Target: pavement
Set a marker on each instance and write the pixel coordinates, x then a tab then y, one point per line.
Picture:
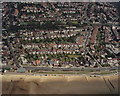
45	74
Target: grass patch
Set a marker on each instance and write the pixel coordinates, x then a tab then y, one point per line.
72	56
64	72
74	22
103	73
29	23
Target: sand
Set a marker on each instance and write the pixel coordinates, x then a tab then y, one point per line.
22	84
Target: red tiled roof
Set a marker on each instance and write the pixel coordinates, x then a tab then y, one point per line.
55	9
114	13
106	35
37	61
16	12
54	50
92	7
116	33
4	12
59	50
92	47
93	37
81	40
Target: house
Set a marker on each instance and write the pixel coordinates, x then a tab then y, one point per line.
112	61
51	62
16	12
24	60
37	62
93	37
56	62
3	14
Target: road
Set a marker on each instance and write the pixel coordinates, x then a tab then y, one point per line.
85	48
11	50
72	69
8	39
86	7
69	69
88	35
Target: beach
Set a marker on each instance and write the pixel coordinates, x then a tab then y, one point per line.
25	84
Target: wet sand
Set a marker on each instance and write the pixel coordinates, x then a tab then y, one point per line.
21	84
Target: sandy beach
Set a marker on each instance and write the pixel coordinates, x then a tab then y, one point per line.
22	84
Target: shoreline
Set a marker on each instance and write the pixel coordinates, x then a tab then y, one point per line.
22	84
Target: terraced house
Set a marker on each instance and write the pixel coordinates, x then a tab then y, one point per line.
57	34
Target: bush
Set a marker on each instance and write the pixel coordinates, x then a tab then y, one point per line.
105	65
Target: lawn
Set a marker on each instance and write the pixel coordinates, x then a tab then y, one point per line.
63	72
74	22
73	56
103	73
